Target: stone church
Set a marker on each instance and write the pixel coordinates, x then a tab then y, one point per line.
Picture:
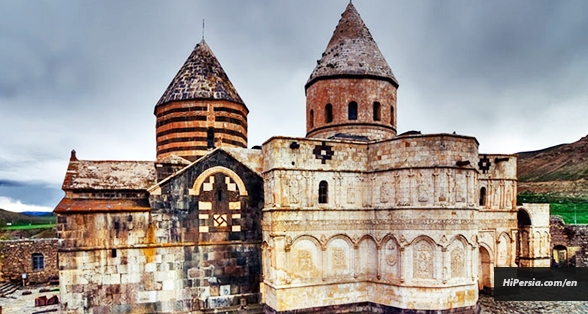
351	218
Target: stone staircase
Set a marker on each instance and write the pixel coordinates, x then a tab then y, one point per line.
8	288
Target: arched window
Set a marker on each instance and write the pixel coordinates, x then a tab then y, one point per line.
328	113
392	115
38	261
377	116
210	137
352	111
483	196
311	118
323	192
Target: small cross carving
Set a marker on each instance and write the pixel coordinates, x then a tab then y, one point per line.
323	152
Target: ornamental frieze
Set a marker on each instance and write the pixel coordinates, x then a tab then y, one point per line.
398	224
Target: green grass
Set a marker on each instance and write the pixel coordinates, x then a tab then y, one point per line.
549	198
571	212
27	227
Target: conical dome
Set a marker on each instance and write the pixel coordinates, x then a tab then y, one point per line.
201	77
200	110
352	51
352	92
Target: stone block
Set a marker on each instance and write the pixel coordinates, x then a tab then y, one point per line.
214	291
225	290
150	267
195	273
218	302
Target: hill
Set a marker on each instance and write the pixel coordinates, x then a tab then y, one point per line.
557	173
23	219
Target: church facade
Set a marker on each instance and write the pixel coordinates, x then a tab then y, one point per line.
351	218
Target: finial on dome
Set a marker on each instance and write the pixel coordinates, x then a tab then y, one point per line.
202	29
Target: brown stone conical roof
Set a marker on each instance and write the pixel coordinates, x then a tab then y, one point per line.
201	77
352	51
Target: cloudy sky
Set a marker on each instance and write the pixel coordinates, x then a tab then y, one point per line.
86	75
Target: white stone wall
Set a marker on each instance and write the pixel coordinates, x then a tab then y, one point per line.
400	218
535	240
134	276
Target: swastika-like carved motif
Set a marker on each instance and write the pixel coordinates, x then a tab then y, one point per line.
457	265
484	164
339	258
323	152
220	220
219	197
423	261
304	260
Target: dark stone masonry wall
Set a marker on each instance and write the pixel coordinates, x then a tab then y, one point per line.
17	258
573	237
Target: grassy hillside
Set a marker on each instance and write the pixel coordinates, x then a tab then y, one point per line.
573	210
8	218
557	175
21	226
565	162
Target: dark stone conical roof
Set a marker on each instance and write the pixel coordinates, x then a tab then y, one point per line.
201	77
352	51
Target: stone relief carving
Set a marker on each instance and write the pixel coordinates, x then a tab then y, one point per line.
269	195
385	189
396	185
423	189
423	260
391	253
351	195
468	189
459	189
436	196
304	259
443	239
403	240
323	239
338	258
294	192
410	178
508	197
288	244
449	175
457	263
404	193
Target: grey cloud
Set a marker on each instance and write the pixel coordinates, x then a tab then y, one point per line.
9	183
86	75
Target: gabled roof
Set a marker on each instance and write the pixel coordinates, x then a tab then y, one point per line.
109	175
352	51
201	77
250	158
69	205
174	159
